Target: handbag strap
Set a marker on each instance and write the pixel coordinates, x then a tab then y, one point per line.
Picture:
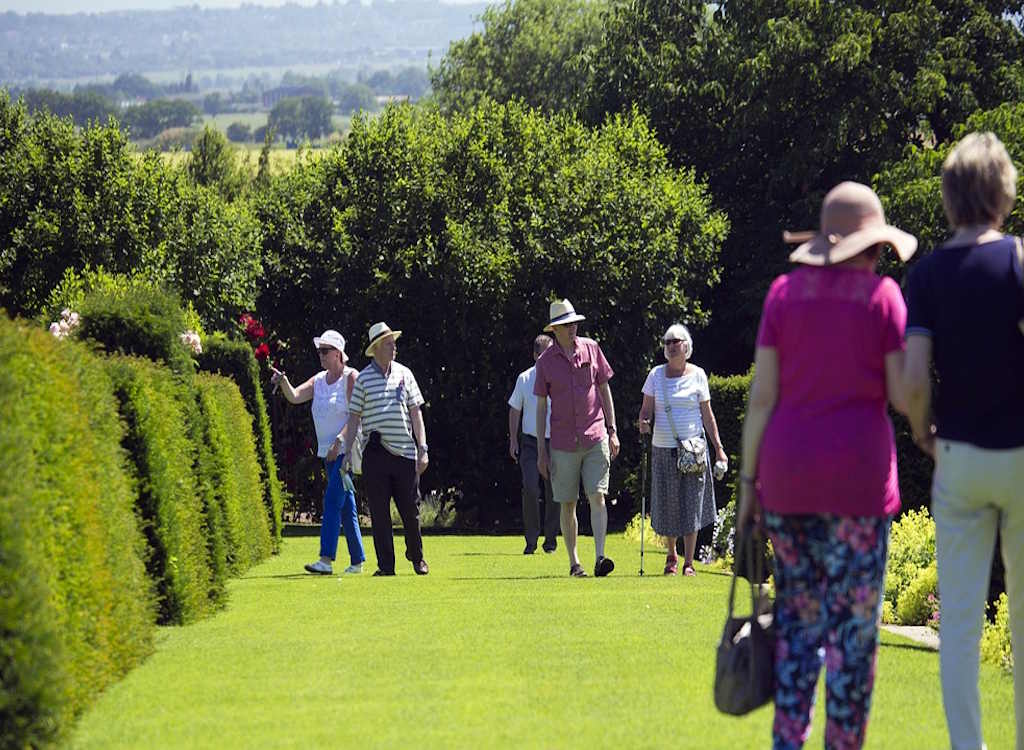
752	575
668	406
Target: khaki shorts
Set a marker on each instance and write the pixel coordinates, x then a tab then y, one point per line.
589	464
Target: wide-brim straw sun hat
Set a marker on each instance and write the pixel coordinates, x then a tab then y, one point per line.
561	313
330	337
852	220
379	332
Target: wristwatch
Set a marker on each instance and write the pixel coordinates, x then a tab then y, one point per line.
422	448
611	429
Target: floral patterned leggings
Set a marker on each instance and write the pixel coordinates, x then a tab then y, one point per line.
829	583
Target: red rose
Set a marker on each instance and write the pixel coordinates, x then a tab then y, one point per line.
262	352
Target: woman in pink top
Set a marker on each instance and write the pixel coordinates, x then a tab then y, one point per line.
818	468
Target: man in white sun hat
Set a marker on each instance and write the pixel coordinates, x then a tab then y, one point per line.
386	400
574	375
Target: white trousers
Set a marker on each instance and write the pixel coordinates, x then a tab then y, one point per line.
974	492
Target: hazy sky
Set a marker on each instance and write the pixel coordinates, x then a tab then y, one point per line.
100	6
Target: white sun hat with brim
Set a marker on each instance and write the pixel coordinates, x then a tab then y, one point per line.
379	332
852	220
330	337
562	313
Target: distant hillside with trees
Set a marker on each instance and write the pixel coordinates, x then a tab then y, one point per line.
42	47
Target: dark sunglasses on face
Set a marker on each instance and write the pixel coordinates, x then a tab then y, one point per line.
325	349
669	342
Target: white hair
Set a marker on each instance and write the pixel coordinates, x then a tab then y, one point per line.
681	332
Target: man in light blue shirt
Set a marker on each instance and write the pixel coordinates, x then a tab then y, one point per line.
523	450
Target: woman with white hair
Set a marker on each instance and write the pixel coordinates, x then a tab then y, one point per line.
966	314
677	396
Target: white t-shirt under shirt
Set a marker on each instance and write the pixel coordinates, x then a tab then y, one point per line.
522	399
685	393
330	409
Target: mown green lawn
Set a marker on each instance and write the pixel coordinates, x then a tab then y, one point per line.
491	650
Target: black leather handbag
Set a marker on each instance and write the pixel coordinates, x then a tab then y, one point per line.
745	663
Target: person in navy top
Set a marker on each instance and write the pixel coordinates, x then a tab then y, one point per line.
965	313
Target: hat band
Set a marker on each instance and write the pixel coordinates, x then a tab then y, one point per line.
380	335
554	321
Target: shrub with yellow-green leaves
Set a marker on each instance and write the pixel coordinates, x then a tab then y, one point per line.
234	468
76	606
155	404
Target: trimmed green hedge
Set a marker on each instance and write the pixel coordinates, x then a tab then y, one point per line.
235	473
144	321
235	360
76	607
154	406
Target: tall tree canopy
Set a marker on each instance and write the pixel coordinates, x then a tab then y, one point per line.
773	102
533	50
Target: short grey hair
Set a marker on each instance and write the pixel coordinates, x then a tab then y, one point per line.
979	181
681	332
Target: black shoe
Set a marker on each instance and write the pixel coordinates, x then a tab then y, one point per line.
379	572
577	571
549	549
604	567
421	567
530	549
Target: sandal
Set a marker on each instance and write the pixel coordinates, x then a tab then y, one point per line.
577	571
671	565
689	571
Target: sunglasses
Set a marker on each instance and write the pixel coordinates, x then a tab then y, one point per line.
326	349
669	342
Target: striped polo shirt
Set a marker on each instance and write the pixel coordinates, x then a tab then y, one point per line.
383	404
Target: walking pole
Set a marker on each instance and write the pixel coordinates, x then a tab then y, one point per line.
643	497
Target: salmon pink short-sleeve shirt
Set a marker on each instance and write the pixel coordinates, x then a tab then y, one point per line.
828	446
571	386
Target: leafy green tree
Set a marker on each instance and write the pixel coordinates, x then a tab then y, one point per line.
411	81
286	118
299	118
81	106
135	86
534	50
912	186
239	132
79	200
149	119
213	163
213	103
353	97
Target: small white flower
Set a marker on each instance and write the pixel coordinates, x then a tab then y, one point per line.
65	328
65	313
192	341
55	330
73	319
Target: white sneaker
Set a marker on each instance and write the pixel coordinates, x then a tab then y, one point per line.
320	568
357	568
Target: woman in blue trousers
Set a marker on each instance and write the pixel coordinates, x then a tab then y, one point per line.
330	391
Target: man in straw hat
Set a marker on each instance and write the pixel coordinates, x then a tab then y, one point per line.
574	375
386	400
